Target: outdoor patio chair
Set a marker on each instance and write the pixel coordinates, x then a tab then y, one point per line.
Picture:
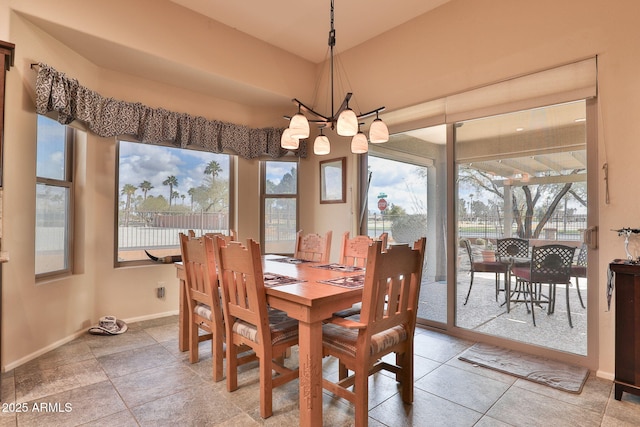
579	269
512	251
551	265
495	267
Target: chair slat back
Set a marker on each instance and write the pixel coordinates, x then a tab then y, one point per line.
198	258
354	251
384	238
551	263
512	247
313	247
392	286
243	291
231	237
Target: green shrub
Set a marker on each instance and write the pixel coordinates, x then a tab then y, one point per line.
409	228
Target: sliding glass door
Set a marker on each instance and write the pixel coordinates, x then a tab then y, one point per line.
522	175
406	177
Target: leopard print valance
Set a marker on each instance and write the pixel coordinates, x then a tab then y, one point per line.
108	117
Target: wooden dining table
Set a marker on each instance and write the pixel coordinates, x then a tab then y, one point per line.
310	302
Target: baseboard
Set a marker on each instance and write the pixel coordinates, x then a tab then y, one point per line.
152	316
605	375
10	366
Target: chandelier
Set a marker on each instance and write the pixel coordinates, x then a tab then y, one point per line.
343	120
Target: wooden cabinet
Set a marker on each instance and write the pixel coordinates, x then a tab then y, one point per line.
627	300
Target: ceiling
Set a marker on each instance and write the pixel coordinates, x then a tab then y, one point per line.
298	27
302	27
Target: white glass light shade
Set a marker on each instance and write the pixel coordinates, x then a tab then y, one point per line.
287	142
359	144
299	126
321	145
378	132
347	123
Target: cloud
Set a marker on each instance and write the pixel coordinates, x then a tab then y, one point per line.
153	163
403	184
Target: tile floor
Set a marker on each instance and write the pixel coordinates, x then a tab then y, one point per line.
141	379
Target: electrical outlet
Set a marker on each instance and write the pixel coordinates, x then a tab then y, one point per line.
160	290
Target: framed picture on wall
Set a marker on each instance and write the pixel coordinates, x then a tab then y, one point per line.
333	180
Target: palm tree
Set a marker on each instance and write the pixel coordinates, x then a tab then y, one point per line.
128	190
191	192
145	186
171	181
213	169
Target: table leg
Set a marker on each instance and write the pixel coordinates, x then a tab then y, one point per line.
310	347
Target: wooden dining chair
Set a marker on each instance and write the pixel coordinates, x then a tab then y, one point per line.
353	251
551	265
248	320
231	237
496	267
386	325
203	299
384	238
313	247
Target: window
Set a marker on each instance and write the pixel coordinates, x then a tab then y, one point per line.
54	198
163	191
280	206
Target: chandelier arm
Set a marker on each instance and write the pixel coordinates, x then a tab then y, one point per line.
311	110
370	113
323	122
343	106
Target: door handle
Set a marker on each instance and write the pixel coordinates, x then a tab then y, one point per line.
590	237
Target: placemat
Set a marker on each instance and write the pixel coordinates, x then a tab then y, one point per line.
272	279
289	260
346	282
339	267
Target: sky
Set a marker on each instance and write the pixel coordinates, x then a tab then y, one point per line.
401	182
153	163
50	157
138	162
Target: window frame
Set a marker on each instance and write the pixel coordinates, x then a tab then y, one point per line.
264	196
66	183
138	262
